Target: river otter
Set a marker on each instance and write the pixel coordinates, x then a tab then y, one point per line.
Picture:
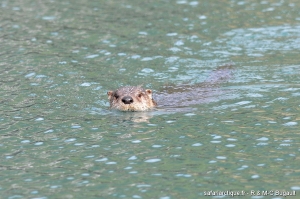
136	98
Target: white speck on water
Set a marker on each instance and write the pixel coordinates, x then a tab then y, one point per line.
179	43
79	144
217	137
91	56
152	160
216	142
181	2
263	139
55	186
184	175
40	76
262	144
143	33
49	131
194	3
285	145
135	56
136	141
75	126
136	196
70	140
197	144
147	59
111	163
255	176
171	59
243	102
29	75
202	17
132	158
290	124
190	114
172	34
101	160
147	70
48	18
268	9
156	146
174	49
86	84
170	121
16	8
230	145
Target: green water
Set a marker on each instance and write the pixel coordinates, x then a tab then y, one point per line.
59	139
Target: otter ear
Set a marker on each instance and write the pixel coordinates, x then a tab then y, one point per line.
148	91
110	93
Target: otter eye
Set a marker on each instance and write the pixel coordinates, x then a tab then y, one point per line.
116	96
140	95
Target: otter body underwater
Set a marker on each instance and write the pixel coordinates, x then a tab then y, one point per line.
136	98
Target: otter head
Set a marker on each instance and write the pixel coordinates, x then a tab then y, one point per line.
131	98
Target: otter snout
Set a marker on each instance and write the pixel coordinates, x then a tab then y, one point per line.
127	100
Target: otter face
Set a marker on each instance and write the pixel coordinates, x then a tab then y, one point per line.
131	98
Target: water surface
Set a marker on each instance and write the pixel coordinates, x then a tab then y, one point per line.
59	139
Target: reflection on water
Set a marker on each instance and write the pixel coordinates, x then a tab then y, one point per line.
257	42
59	139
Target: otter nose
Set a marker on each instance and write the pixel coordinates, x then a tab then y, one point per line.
127	100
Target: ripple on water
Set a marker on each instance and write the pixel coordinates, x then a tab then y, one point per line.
230	145
136	141
255	176
39	119
153	160
132	158
101	160
156	146
183	175
39	143
75	126
263	139
256	41
70	140
110	163
221	157
197	144
290	124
